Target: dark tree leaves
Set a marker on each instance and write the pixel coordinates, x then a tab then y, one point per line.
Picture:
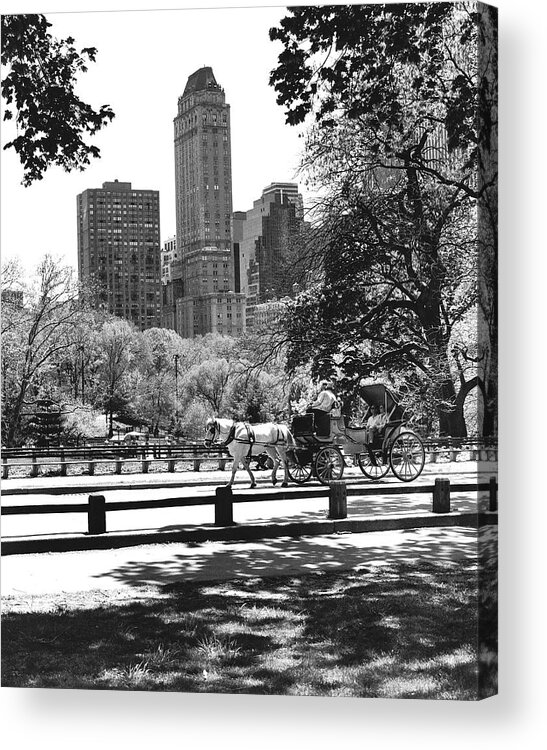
39	93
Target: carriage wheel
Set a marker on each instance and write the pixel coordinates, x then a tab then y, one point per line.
329	465
368	468
407	456
300	473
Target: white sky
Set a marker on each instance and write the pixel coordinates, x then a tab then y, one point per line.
143	62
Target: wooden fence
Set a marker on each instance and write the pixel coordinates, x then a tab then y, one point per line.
167	457
96	506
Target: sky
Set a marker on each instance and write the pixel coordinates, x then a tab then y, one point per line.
143	61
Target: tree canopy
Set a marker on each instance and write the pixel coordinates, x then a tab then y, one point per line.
39	94
402	126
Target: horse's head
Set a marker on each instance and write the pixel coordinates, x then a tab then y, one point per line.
211	431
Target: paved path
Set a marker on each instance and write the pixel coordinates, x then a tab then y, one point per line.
132	569
136	567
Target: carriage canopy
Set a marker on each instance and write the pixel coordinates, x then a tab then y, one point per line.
378	395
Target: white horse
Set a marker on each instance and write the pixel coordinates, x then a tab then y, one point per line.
244	440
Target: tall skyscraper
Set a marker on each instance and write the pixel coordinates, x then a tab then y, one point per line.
265	234
206	300
119	249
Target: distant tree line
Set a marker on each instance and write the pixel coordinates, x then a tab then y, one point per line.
96	370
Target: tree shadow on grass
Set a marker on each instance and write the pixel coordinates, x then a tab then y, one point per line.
408	629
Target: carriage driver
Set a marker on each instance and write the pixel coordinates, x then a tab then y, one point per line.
321	408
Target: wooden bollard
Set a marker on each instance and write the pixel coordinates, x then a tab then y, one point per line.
63	464
338	499
34	469
91	468
119	466
433	457
222	464
441	495
171	465
224	506
145	465
493	503
5	467
96	514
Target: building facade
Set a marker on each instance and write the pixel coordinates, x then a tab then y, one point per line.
266	233
119	250
203	289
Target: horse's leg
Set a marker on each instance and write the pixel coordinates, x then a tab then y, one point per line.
235	466
283	458
272	453
247	465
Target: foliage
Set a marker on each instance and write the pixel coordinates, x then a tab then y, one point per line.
35	334
395	150
88	363
39	92
117	341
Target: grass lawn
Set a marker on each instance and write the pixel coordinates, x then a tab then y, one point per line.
401	632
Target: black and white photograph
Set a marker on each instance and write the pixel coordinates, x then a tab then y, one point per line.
249	376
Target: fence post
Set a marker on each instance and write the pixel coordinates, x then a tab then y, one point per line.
34	469
224	508
222	463
91	468
119	463
145	465
96	514
197	462
63	463
493	504
171	465
338	499
433	455
441	495
5	467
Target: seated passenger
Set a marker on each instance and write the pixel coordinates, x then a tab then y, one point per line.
382	419
373	427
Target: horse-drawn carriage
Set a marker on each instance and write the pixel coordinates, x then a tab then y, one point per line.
395	446
303	453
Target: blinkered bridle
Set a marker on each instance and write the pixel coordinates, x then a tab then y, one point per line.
212	431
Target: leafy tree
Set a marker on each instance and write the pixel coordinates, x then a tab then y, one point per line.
209	382
39	91
396	147
157	401
34	335
116	360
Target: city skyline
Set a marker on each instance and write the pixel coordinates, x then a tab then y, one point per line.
264	149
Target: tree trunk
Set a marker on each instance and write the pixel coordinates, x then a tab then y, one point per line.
451	420
16	413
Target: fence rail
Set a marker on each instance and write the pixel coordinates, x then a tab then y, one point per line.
224	498
113	460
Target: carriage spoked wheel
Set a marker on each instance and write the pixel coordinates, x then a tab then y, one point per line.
300	473
369	469
407	456
329	464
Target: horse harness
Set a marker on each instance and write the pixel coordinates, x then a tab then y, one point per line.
251	437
